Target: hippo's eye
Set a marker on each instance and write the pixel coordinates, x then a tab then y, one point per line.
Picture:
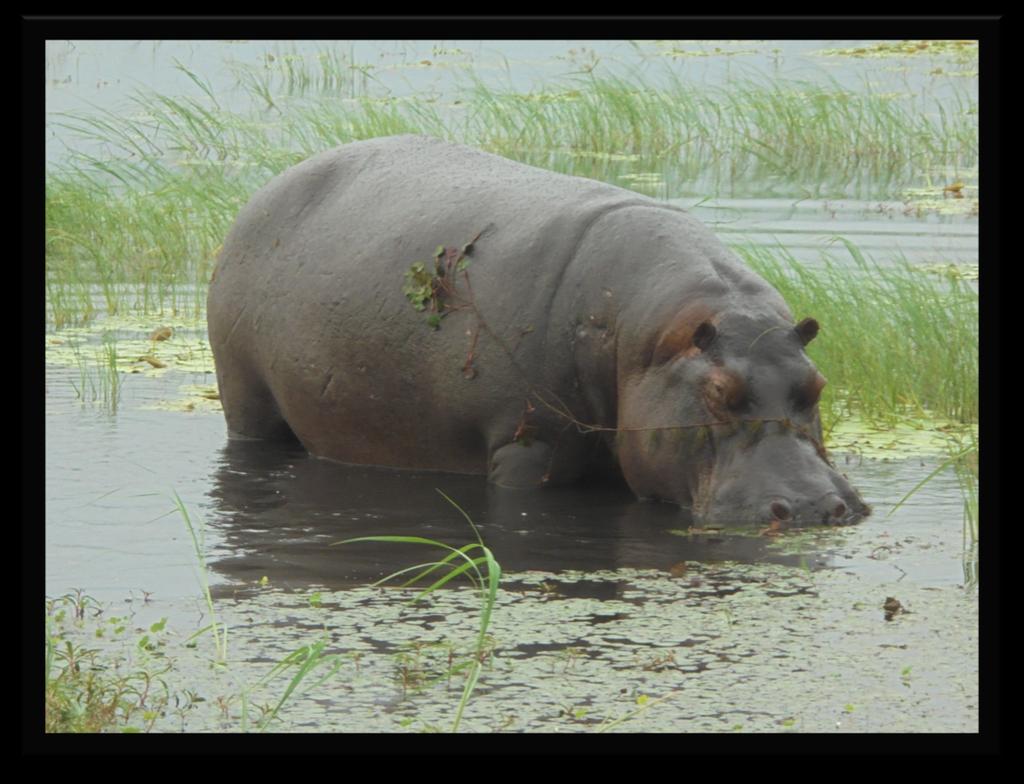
724	391
806	395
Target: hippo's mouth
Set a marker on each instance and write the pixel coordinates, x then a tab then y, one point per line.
850	518
779	516
837	513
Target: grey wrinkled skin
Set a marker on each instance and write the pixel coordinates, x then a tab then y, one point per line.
596	321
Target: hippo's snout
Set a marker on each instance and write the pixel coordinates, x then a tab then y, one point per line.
781	481
830	509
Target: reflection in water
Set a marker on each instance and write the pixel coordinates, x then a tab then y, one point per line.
279	510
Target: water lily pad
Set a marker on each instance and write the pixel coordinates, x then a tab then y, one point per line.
199	398
645	181
177	353
601	156
566	96
894	440
952	198
715	52
961	50
950	270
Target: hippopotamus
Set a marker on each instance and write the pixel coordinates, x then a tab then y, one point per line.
414	303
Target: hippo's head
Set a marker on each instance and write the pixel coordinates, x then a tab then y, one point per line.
719	413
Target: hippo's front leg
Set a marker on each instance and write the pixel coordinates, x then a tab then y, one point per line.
521	465
537	463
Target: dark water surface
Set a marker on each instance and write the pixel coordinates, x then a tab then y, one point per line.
273	511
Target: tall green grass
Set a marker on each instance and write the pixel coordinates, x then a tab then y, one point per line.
142	205
482	569
894	340
289	72
753	128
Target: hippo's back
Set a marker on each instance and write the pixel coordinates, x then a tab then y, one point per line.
393	200
311	330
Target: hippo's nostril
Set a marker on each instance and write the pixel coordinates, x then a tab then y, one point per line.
839	511
780	510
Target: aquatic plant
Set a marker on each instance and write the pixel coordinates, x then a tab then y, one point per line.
894	341
99	378
753	127
86	693
457	562
216	628
141	204
306	659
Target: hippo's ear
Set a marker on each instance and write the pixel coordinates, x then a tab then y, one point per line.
704	335
682	339
806	330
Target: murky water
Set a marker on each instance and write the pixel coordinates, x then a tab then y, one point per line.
272	511
607	605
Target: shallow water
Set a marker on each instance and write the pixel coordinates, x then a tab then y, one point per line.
604	601
273	511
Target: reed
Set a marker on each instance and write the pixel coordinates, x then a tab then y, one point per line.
306	659
895	341
755	127
456	563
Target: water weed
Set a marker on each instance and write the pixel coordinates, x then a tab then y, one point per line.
98	376
896	341
457	562
87	692
141	203
218	630
306	659
755	127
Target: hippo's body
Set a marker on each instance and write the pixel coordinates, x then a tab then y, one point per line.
574	322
